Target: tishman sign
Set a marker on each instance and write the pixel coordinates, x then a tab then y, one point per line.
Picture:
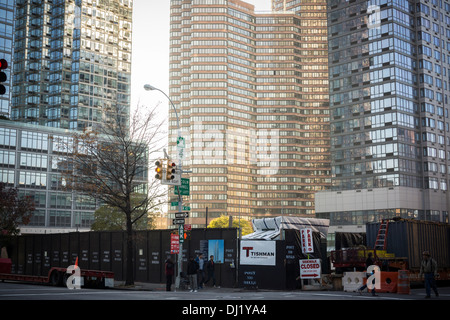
261	253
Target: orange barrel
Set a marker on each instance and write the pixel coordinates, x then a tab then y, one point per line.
403	282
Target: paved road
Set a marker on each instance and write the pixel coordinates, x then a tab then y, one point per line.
20	291
30	300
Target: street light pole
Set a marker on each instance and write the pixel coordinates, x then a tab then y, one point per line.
180	198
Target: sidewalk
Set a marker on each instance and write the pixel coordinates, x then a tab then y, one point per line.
146	286
143	286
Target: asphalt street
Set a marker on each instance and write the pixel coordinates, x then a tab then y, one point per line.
21	291
31	300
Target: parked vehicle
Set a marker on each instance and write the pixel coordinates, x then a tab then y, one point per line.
58	276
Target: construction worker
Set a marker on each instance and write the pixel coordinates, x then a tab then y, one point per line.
428	269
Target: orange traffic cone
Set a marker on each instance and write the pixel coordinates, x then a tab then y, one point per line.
76	263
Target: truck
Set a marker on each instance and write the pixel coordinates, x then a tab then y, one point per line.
58	276
398	244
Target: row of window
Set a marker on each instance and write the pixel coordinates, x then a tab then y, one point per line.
363	217
62	218
381	181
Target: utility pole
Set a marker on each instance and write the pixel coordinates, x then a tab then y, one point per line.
180	147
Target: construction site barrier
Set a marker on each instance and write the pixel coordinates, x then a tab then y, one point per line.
403	285
388	282
352	281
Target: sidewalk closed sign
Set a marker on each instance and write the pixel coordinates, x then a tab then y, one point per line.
310	269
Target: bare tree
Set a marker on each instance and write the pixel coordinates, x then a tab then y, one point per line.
110	163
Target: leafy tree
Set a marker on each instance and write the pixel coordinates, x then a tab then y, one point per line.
14	211
224	222
112	219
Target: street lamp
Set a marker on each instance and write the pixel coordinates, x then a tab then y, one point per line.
151	88
148	87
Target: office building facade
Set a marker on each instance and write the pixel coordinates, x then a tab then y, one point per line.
72	62
6	41
34	159
72	67
30	159
251	90
389	76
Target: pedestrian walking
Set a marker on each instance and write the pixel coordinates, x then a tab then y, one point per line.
169	271
428	270
369	262
201	270
192	269
210	269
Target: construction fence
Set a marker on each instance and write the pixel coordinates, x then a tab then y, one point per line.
35	254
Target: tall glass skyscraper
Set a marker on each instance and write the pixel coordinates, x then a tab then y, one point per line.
72	66
252	93
6	40
389	88
72	61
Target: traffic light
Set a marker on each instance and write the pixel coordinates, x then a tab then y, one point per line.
170	173
158	170
3	77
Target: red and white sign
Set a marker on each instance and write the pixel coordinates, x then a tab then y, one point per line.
307	240
310	269
174	243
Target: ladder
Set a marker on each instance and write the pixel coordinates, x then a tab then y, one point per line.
381	241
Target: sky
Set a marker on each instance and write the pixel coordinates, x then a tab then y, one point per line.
150	51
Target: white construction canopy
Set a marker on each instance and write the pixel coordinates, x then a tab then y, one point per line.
270	228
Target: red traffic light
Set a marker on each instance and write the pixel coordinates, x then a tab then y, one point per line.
170	170
3	64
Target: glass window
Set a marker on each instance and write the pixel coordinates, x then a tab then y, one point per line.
34	140
7	176
59	218
8	137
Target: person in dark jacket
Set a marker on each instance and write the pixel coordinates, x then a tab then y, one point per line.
428	270
201	270
192	273
169	271
210	268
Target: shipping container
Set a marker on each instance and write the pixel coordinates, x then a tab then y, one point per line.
409	238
